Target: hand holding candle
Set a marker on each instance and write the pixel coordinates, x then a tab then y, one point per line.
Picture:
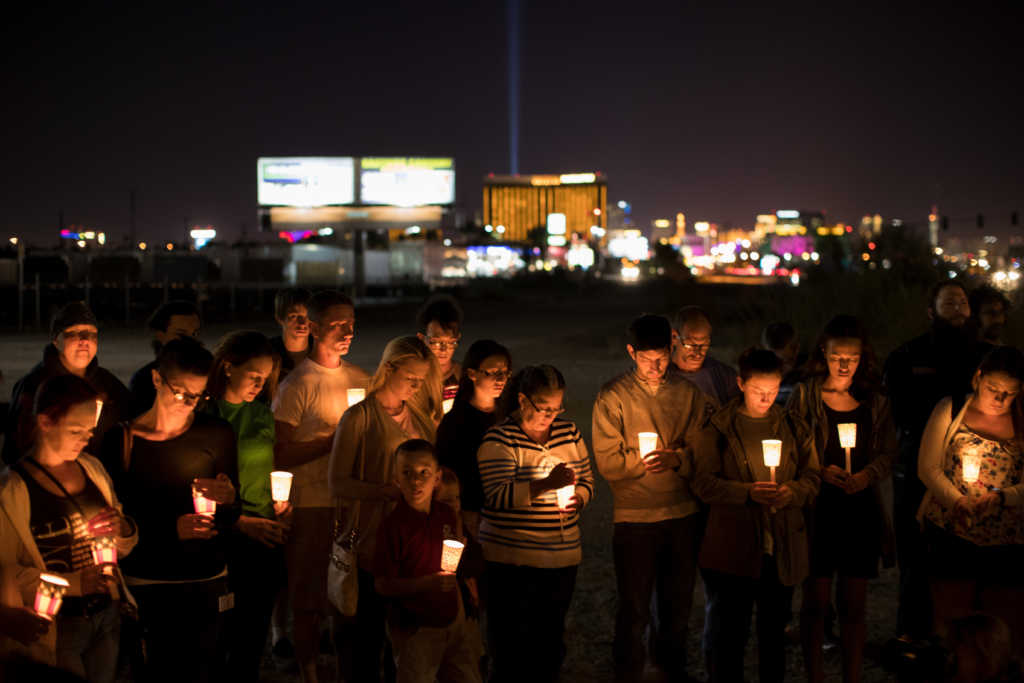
971	468
451	553
50	595
771	450
848	440
280	486
104	553
203	505
647	442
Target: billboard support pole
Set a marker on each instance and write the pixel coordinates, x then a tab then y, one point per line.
359	254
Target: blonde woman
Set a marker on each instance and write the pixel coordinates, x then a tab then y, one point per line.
397	408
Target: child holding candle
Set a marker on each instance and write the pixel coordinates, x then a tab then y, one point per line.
755	544
53	501
642	421
976	529
531	547
430	635
850	528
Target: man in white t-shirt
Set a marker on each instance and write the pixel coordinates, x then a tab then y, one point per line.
307	408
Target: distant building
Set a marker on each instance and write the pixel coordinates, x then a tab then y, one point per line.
519	204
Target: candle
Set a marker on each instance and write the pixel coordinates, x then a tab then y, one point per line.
648	441
203	505
971	468
451	552
280	486
355	396
848	440
50	594
99	409
565	495
447	404
104	550
771	450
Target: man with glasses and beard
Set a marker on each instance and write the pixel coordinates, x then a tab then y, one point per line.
918	374
691	340
74	341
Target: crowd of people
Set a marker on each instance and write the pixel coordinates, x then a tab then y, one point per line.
786	470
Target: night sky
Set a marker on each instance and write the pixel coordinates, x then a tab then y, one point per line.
721	112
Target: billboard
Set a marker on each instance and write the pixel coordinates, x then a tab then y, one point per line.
305	181
406	181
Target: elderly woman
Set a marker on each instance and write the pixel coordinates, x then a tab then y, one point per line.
53	502
972	461
396	408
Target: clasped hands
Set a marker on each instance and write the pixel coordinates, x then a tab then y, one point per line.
851	483
967	509
775	496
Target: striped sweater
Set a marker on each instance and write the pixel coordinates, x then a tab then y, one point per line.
516	529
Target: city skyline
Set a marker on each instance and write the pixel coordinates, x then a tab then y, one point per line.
721	113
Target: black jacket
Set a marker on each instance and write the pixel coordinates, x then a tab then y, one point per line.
18	430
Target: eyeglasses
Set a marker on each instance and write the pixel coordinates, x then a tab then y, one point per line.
496	374
438	345
697	348
546	412
82	335
180	395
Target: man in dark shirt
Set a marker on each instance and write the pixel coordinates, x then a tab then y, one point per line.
918	374
291	311
691	340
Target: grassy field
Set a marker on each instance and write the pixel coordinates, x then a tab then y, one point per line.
581	330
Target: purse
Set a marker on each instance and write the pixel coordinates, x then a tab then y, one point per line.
343	565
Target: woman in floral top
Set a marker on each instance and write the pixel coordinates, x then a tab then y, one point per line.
972	462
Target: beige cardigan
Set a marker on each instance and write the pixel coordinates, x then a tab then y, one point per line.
931	459
20	555
364	444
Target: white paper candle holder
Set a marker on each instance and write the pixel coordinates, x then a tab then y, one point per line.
771	450
971	468
354	396
50	595
280	486
647	442
203	505
451	553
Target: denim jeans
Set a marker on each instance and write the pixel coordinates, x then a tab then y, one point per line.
87	646
658	558
730	603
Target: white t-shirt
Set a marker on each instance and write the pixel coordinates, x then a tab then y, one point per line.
312	399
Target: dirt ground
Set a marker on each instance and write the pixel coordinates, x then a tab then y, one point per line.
582	332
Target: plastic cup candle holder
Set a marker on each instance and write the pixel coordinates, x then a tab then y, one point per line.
565	495
647	442
971	468
104	553
99	409
203	505
50	594
771	449
280	486
848	440
451	553
355	396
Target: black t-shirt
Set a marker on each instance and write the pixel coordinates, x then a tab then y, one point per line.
157	489
458	437
58	525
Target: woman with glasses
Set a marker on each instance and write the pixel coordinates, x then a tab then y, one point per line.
440	323
536	477
361	475
485	371
166	464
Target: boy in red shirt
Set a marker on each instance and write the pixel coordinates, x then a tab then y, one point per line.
430	635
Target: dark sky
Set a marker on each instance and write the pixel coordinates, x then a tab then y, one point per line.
721	112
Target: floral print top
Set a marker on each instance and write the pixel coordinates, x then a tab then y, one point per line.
1002	466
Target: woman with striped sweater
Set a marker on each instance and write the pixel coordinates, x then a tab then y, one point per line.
532	544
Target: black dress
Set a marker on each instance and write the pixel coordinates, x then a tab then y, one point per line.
846	536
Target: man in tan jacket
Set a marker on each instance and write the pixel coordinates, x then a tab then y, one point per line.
656	522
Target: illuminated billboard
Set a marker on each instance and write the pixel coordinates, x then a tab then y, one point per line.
305	181
406	181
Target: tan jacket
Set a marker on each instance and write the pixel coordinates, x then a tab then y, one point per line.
806	403
626	406
734	538
362	461
20	555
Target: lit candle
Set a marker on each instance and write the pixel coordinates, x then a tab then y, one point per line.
355	396
565	495
203	505
50	594
848	440
99	409
771	449
447	404
451	553
648	441
971	468
280	486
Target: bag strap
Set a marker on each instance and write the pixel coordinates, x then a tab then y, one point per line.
56	481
